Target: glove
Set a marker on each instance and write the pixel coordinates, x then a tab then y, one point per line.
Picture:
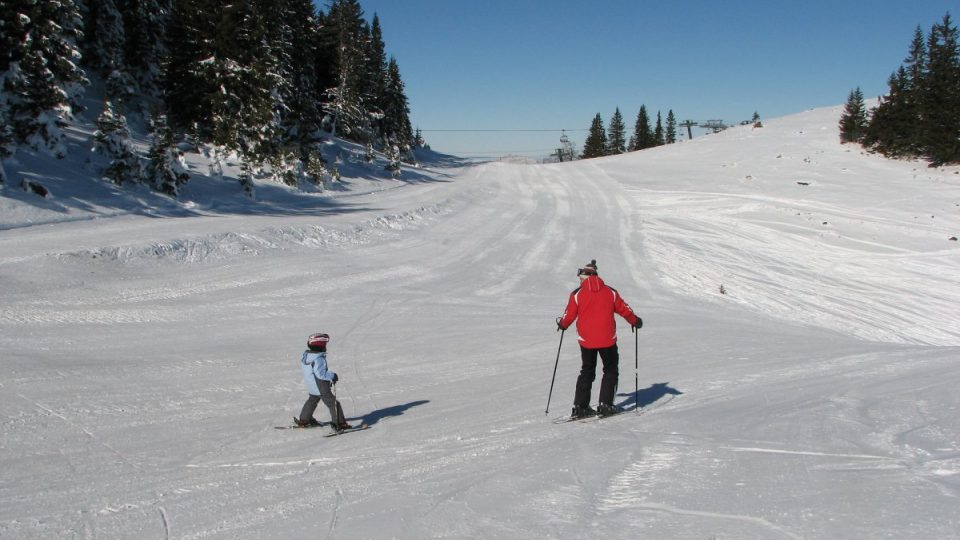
559	326
639	324
335	379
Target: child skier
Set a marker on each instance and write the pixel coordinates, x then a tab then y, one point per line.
320	382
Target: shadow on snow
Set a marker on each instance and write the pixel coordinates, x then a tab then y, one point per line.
647	396
372	418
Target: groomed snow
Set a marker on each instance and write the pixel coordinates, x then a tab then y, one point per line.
149	348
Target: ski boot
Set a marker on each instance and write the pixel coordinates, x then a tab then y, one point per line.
342	426
582	411
309	423
605	409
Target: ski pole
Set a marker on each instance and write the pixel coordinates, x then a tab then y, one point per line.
340	418
636	369
557	363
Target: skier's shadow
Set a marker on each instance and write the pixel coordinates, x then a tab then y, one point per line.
397	410
647	396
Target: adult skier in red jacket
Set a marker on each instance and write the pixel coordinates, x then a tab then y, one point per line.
592	305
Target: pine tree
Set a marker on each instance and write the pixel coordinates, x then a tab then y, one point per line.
658	138
166	169
112	140
920	115
596	143
617	133
940	102
889	128
41	82
375	78
393	160
300	114
104	36
642	133
913	83
396	112
346	31
315	167
671	127
853	121
6	144
146	23
185	84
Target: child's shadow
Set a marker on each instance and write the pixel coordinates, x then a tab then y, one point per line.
397	410
647	396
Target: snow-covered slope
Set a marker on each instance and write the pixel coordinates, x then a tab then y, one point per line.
148	350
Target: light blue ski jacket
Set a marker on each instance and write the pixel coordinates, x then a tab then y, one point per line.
314	366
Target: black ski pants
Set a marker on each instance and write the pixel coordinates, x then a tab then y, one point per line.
588	372
326	395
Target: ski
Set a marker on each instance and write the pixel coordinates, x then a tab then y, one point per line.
565	419
597	417
360	427
295	426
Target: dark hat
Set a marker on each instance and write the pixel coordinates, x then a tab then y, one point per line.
588	270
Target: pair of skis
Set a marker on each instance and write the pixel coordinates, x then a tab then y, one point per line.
351	429
597	417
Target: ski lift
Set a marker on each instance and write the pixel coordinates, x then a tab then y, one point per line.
563	137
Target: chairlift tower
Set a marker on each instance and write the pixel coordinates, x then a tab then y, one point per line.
688	124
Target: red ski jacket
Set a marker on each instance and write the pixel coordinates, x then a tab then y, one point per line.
592	305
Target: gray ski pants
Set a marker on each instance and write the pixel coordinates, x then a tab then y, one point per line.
326	395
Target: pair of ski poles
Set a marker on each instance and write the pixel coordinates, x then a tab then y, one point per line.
636	369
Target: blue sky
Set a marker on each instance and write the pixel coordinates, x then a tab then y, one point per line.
554	64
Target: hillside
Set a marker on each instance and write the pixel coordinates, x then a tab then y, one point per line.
150	347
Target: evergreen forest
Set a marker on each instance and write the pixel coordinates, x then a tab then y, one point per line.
265	80
919	117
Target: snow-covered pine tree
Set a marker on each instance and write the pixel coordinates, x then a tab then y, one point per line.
596	143
258	54
40	81
393	160
246	178
616	134
853	121
103	36
315	167
6	137
396	121
285	168
346	31
146	23
112	140
166	170
296	106
185	83
375	80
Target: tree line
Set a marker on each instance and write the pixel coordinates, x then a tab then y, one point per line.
613	140
264	79
920	115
